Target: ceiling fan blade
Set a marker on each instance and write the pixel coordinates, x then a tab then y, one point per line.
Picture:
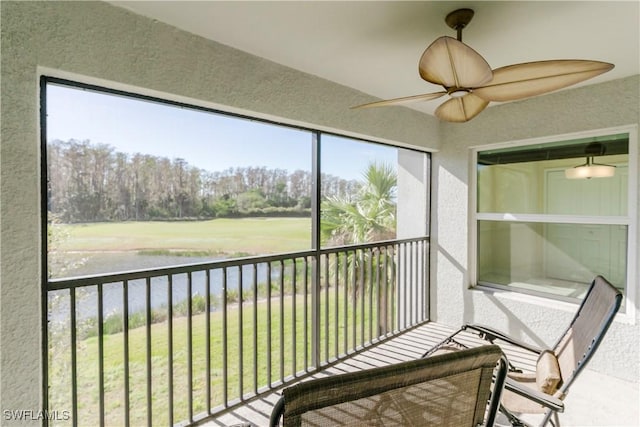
404	100
451	63
463	109
535	78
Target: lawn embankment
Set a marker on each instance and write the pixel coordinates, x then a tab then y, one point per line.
218	236
256	327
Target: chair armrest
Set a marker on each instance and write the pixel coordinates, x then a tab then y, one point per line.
276	413
543	399
490	335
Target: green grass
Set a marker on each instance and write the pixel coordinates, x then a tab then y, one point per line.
220	236
224	235
87	357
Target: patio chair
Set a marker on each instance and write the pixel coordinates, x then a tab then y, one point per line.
452	389
542	392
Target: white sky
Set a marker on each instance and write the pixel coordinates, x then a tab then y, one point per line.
206	140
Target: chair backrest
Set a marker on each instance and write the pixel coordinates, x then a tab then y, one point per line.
445	390
583	336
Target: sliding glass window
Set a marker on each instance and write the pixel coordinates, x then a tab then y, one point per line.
550	217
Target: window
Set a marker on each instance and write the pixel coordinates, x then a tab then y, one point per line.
372	198
134	184
196	233
544	226
140	183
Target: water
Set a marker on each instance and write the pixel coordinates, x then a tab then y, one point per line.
87	298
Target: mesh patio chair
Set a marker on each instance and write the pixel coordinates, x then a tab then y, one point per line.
456	389
542	392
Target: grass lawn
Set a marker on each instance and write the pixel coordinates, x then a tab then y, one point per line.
87	360
224	235
245	336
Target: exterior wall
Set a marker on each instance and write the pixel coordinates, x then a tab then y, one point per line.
535	320
94	42
413	185
97	43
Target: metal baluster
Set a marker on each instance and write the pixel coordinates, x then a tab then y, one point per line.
254	286
170	345
412	288
385	285
362	296
378	296
293	316
281	320
225	337
421	282
269	348
148	349
405	284
306	311
74	357
345	279
190	344
353	295
336	313
326	307
207	295
240	336
370	280
394	282
125	337
101	353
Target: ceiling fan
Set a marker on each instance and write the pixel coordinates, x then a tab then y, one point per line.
471	84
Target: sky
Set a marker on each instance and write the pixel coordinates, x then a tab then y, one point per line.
209	141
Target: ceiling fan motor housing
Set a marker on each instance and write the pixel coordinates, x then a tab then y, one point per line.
458	19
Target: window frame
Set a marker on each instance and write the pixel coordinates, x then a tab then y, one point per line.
630	220
116	89
140	94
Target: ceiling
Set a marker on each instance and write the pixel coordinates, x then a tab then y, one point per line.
374	47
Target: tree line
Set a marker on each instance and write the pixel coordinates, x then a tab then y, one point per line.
90	182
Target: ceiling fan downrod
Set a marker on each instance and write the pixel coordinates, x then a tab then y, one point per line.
458	19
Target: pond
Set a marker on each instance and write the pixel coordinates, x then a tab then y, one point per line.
109	262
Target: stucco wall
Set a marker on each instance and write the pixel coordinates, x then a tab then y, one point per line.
98	43
600	106
101	44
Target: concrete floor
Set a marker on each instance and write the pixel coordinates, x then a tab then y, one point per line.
600	400
593	400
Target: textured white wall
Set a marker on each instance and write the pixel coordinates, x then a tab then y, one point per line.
413	202
98	43
594	107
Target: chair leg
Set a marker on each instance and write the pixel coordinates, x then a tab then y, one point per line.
513	420
552	418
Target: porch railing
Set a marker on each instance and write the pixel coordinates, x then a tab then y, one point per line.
179	345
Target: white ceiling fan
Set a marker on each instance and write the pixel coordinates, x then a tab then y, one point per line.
471	84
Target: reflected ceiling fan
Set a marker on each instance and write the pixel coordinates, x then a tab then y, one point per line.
470	83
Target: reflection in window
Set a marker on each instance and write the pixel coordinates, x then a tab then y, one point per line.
559	258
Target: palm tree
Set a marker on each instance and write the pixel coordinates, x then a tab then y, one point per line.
369	215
